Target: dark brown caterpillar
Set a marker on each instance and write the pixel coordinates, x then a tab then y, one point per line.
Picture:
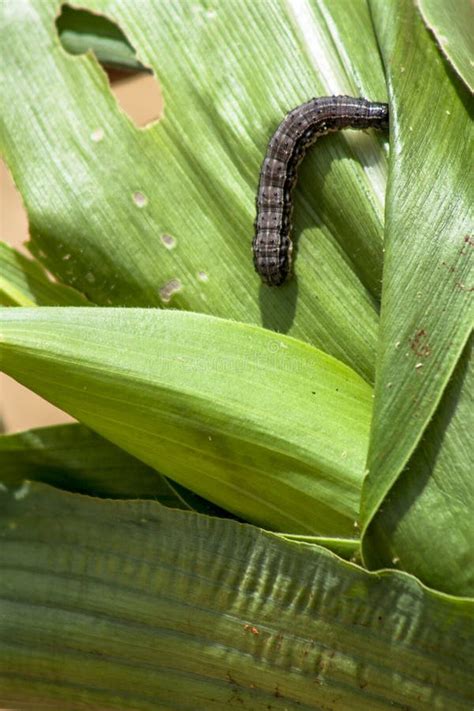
272	244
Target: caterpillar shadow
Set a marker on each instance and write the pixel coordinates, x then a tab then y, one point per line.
278	305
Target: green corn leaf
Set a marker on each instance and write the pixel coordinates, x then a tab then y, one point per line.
425	523
426	313
130	605
24	282
167	387
74	458
451	23
164	216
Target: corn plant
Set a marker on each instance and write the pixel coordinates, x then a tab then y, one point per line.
266	501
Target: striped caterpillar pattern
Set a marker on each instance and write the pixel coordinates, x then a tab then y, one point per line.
272	245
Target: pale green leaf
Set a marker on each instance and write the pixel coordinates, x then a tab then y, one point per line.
24	282
266	426
74	458
107	200
131	605
426	300
452	24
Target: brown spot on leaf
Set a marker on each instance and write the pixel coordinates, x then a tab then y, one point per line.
463	287
170	288
168	241
139	199
449	267
253	630
420	345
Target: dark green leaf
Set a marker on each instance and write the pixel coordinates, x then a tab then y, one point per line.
426	316
131	605
80	31
426	522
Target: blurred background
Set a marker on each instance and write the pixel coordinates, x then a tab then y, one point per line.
140	97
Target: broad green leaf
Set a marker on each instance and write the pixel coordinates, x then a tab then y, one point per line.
80	31
451	22
74	458
165	215
24	282
131	605
266	426
426	522
426	301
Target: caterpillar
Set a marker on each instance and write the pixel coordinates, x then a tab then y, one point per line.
272	245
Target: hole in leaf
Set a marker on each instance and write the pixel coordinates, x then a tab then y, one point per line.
134	85
81	30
